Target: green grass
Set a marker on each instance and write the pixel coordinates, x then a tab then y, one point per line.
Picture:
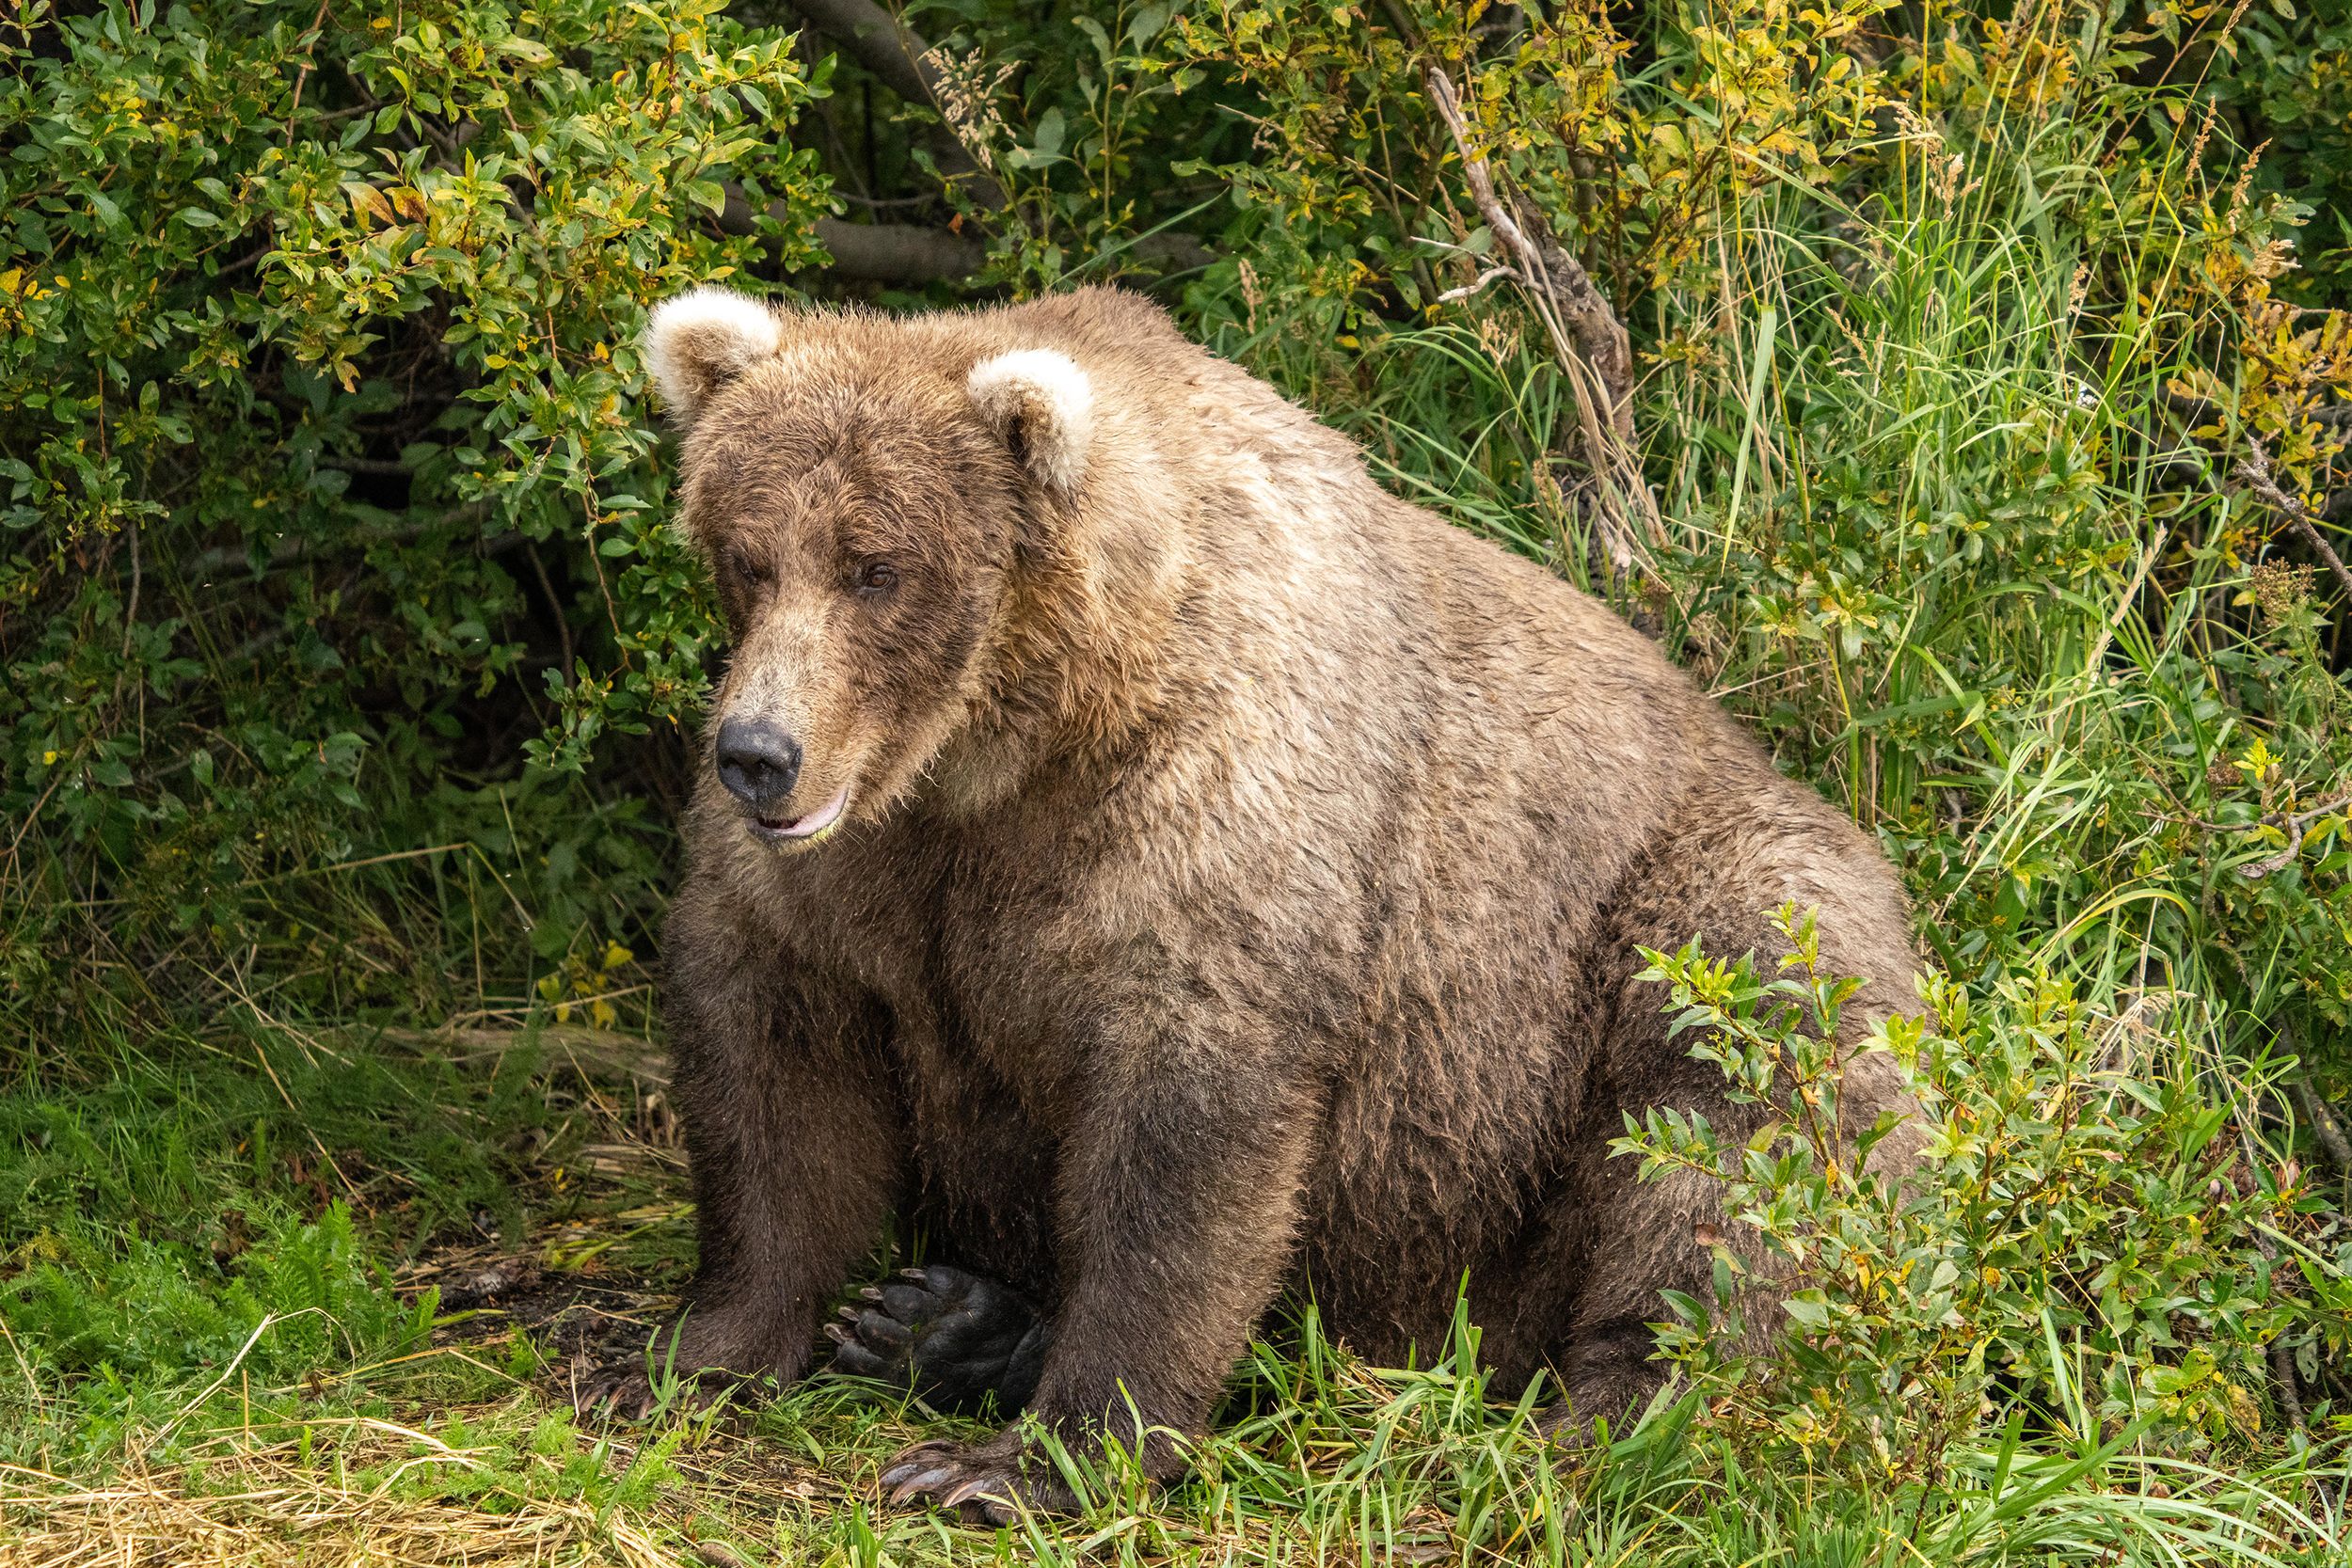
282	1394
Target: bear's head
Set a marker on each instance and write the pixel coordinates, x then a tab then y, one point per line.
862	489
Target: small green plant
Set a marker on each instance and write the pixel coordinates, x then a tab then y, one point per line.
2094	1237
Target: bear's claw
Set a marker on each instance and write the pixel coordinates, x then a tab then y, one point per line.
954	1338
624	1393
982	1485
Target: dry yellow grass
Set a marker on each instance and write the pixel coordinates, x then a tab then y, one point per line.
262	1504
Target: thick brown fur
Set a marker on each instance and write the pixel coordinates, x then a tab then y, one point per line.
1240	884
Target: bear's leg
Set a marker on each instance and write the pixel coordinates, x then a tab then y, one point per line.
1177	1203
1635	1240
954	1338
1649	1237
1605	1367
792	1143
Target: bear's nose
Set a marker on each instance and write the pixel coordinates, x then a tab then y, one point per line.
758	762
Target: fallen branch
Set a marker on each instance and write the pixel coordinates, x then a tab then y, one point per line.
2294	824
200	568
2253	471
903	254
2323	1123
1589	340
878	42
908	255
2316	1113
2283	1373
1558	281
1477	286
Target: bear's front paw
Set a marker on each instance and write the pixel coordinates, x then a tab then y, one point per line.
630	1393
992	1482
953	1337
681	1370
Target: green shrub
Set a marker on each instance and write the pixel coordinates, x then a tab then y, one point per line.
2099	1235
315	351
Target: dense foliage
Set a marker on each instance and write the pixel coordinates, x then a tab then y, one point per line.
348	675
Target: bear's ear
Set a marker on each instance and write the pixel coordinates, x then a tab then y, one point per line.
699	341
1042	406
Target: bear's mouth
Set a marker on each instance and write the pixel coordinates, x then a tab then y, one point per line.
795	829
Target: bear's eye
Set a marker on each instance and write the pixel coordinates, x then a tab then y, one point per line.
877	577
743	565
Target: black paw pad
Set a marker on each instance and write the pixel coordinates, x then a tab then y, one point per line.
952	1337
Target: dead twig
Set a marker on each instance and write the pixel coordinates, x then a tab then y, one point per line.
309	47
2321	1117
1589	340
2253	471
1479	287
2283	1373
2294	824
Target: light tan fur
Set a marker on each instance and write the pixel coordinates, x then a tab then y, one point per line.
1240	884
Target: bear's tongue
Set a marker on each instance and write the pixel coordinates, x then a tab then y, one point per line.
815	823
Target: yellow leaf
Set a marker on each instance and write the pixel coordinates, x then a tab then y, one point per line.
367	202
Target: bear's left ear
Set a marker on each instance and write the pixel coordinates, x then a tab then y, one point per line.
699	341
1041	403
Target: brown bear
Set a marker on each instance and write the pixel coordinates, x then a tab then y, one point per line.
1166	866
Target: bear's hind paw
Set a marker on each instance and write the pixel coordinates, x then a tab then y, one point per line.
954	1338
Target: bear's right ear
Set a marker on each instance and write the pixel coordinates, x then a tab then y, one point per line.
699	341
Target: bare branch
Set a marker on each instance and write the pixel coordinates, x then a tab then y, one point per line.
879	42
901	62
2322	1119
200	568
903	254
1589	340
1594	326
1467	290
2253	471
908	255
2295	825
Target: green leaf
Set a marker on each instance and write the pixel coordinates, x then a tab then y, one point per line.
1807	1308
1050	131
1149	20
1102	39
